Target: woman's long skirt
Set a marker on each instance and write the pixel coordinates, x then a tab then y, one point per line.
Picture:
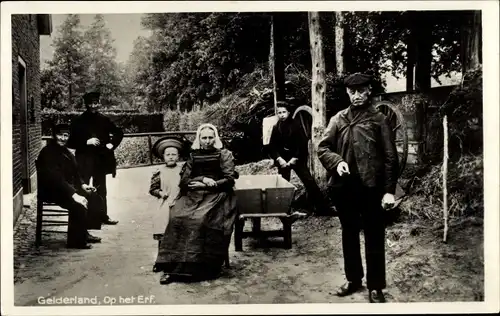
196	239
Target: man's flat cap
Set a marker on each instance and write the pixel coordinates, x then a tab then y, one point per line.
60	128
91	96
357	79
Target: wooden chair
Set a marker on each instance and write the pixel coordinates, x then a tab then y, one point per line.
47	209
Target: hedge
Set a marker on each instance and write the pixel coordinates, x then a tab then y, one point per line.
129	122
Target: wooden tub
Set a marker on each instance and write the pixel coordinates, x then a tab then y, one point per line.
263	196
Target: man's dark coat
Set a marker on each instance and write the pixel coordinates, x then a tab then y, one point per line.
89	158
58	175
363	139
288	141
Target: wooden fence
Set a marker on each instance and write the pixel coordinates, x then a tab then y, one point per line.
149	136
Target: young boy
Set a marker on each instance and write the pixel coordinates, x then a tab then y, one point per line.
289	149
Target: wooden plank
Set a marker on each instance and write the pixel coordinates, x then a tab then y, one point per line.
264	234
150	150
254	215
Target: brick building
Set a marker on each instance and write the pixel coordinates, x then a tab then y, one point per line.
26	122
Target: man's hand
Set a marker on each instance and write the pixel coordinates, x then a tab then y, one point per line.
93	141
281	162
293	161
209	182
388	201
109	146
88	188
343	168
80	200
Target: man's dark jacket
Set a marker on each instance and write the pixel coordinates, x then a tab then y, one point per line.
58	176
288	141
90	125
363	139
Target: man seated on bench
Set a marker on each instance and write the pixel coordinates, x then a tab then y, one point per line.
60	183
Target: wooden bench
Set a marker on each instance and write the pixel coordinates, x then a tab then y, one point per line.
159	237
286	219
47	209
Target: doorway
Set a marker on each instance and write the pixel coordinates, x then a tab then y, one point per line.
24	132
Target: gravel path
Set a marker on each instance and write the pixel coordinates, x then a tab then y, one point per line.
120	267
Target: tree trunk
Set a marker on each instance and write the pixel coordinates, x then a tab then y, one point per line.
471	41
277	58
419	69
318	96
423	52
410	62
339	43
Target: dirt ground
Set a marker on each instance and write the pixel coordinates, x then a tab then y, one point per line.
420	268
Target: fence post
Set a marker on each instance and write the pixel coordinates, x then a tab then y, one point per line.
150	150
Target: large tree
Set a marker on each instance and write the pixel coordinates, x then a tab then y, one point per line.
199	57
64	78
103	71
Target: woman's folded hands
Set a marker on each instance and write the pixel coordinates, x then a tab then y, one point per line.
206	182
196	184
209	182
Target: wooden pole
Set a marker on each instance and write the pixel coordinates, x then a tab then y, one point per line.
445	176
277	58
339	43
318	95
271	61
471	41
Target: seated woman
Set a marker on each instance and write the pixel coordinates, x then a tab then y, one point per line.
201	222
165	180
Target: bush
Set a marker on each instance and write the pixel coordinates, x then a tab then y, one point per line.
465	190
464	109
129	122
134	151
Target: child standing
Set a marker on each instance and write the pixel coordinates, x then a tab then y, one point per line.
165	180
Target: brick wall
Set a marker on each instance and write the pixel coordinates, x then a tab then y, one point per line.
25	44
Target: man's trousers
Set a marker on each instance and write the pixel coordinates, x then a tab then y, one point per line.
360	208
78	223
99	182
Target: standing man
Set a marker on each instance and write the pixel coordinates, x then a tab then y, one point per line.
90	137
289	149
61	183
359	153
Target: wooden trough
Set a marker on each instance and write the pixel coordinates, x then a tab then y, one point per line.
264	196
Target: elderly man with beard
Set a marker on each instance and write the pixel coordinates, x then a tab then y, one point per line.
359	152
